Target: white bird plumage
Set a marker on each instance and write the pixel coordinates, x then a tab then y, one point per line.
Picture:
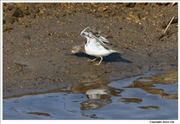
97	46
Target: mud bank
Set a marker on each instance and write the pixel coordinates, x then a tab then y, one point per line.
37	40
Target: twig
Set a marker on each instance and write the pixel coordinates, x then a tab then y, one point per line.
168	25
172	4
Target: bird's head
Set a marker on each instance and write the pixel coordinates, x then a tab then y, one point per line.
77	49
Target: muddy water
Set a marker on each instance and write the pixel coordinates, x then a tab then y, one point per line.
153	95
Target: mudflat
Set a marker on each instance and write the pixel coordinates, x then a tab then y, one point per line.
38	37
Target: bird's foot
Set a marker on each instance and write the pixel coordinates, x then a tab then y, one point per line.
99	61
89	60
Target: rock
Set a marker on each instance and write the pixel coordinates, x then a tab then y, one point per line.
16	12
130	5
8	20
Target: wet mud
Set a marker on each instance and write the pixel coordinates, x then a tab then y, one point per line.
37	42
151	96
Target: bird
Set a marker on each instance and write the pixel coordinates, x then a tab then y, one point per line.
96	45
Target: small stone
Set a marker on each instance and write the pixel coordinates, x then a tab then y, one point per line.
41	11
27	37
57	50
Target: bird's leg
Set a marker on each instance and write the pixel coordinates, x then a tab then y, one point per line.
92	60
100	60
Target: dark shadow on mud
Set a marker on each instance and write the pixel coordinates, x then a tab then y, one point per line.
114	57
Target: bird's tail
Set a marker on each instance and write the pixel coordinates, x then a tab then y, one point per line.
121	52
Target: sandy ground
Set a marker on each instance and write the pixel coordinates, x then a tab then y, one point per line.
37	42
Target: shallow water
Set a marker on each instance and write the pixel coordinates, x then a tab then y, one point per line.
153	95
